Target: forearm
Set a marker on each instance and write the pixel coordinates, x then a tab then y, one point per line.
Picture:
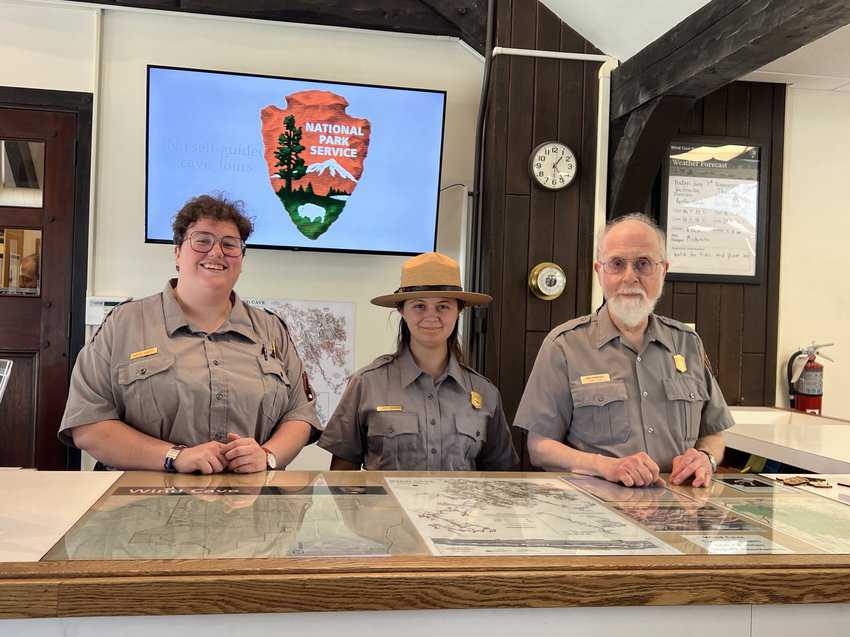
117	444
287	440
713	444
552	455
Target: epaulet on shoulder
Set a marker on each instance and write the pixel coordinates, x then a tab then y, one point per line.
108	314
473	370
682	327
570	325
276	315
378	363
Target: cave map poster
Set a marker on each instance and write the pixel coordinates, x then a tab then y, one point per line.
318	165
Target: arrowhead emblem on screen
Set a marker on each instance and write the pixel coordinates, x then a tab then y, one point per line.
315	153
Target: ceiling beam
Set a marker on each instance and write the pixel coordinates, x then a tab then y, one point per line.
464	19
720	43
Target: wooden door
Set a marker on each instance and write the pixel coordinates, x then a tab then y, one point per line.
37	168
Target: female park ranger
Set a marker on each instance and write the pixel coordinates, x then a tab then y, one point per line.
422	408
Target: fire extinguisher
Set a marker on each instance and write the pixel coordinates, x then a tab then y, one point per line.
805	378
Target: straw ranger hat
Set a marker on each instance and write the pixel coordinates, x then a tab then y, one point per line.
430	275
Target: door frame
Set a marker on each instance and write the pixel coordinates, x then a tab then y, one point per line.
81	104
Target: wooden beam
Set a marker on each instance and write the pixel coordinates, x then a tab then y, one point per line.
469	16
403	16
647	132
720	43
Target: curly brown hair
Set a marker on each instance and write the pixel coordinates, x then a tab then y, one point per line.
215	207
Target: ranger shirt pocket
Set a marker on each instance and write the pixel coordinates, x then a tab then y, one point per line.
148	388
275	388
685	399
394	441
599	413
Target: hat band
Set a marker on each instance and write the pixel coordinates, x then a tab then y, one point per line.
430	288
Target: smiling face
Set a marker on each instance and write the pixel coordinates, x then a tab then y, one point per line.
213	271
631	297
430	321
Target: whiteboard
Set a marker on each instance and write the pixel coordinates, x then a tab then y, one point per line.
712	209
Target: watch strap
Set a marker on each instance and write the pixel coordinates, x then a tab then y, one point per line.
171	456
271	459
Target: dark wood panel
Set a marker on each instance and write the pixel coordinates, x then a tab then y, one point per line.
587	180
521	98
752	379
714	113
665	303
729	350
685	287
708	320
684	307
515	293
18	410
546	85
738	109
774	235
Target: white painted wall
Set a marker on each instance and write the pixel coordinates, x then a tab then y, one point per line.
814	293
43	47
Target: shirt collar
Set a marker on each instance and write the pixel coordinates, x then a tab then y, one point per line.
239	321
606	331
410	370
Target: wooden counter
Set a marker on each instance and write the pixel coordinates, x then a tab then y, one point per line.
75	588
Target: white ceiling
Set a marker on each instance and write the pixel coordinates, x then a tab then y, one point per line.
623	27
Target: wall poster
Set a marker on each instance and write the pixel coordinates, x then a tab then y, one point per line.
713	209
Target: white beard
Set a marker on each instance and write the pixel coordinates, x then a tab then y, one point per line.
631	312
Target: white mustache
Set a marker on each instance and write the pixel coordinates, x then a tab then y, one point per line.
630	290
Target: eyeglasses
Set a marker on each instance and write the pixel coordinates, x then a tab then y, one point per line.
204	241
643	266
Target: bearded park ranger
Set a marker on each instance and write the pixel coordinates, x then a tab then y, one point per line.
626	394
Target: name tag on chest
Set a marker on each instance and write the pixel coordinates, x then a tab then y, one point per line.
595	378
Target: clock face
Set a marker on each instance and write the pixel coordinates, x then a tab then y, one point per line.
553	165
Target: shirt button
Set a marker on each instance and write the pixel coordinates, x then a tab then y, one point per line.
430	396
645	394
219	396
215	363
600	399
433	451
390	430
477	434
650	430
143	371
221	436
433	421
692	395
639	359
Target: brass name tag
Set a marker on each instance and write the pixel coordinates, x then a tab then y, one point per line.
475	399
679	360
145	352
389	408
595	378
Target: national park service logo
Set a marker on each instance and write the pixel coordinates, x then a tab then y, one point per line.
314	152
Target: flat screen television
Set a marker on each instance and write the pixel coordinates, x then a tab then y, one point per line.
327	166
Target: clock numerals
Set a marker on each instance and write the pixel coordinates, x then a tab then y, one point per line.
553	165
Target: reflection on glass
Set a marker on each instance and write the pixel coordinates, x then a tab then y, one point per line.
20	262
21	173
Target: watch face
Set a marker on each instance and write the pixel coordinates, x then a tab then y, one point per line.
553	165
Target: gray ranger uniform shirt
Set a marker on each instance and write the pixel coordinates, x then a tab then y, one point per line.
395	416
150	368
593	391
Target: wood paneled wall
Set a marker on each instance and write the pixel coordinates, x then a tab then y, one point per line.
532	100
738	323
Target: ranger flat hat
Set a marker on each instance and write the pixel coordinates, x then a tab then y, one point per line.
429	275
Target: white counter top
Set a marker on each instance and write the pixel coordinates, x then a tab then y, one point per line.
810	442
39	507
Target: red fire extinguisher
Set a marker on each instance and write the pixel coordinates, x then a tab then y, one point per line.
805	379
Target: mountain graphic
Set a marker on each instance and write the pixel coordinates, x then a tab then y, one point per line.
333	167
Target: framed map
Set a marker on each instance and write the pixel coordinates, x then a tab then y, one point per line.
714	197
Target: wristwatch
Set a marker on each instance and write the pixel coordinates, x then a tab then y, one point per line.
711	460
171	456
271	461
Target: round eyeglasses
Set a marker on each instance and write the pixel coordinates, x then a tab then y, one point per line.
643	266
203	242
